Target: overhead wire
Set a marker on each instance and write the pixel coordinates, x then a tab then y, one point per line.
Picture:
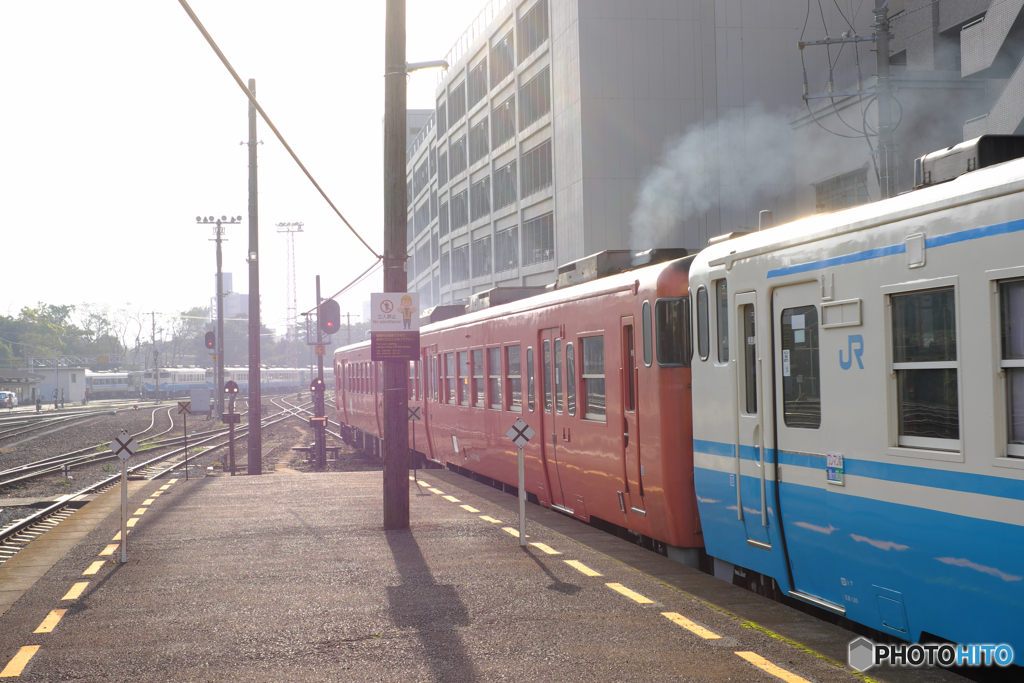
263	114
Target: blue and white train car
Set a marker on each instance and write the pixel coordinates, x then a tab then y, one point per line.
173	382
859	408
107	385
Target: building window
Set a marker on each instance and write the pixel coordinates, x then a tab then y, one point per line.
478	142
672	320
722	317
480	198
460	210
536	169
478	378
442	169
539	239
533	29
422	260
529	378
505	185
570	379
535	98
458	102
594	399
445	269
442	120
1011	296
442	219
514	379
506	249
421	219
433	161
457	157
410	230
421	177
460	264
433	247
801	382
842	191
502	59
925	364
504	117
494	377
482	256
477	80
433	204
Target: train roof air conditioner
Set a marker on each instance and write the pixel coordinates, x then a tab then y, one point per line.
953	162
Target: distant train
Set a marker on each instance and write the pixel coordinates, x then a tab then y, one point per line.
830	410
180	381
104	385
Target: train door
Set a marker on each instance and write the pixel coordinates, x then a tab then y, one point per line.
804	492
551	385
750	449
629	377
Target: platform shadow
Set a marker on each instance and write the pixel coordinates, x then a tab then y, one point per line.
434	610
557	584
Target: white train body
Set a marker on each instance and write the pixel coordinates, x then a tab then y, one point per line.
858	384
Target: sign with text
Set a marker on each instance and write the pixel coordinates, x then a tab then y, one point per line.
394	326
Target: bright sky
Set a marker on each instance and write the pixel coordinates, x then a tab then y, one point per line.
121	126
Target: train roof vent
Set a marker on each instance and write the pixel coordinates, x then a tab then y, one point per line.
501	295
652	256
593	267
952	162
438	313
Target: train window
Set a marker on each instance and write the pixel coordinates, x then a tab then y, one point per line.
801	382
593	378
722	316
463	378
627	332
433	377
702	323
529	378
515	380
478	378
494	377
646	325
570	379
750	355
546	374
672	322
412	380
925	364
449	378
1011	296
558	376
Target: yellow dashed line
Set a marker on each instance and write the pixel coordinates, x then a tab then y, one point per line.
632	595
156	494
118	536
17	665
109	550
452	499
492	520
514	532
763	664
51	621
93	568
76	591
168	484
148	501
469	508
546	548
582	568
440	493
132	522
679	619
140	511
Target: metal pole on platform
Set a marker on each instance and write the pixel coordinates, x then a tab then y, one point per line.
124	510
522	498
184	426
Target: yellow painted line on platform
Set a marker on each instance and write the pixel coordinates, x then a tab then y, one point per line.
546	548
492	520
140	511
168	484
469	508
582	568
20	661
452	499
433	490
109	550
117	537
514	532
93	568
132	522
156	494
632	595
679	619
76	591
51	621
148	501
763	664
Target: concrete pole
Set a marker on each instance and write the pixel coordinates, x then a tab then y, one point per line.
396	398
887	175
255	453
218	386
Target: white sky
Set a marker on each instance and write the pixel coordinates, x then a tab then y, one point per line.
121	126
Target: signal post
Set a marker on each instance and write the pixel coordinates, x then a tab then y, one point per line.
328	320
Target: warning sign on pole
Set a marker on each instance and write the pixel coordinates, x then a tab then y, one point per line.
394	326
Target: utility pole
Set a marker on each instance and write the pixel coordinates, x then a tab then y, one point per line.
396	397
290	295
255	460
156	356
319	437
218	232
887	169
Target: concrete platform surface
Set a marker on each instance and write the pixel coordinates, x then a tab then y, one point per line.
290	577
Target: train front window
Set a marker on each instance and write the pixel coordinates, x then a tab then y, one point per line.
801	385
672	321
1011	296
925	365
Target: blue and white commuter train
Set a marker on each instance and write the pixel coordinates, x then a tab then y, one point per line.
103	385
858	410
181	381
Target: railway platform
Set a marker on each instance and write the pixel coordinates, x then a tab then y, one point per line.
291	577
